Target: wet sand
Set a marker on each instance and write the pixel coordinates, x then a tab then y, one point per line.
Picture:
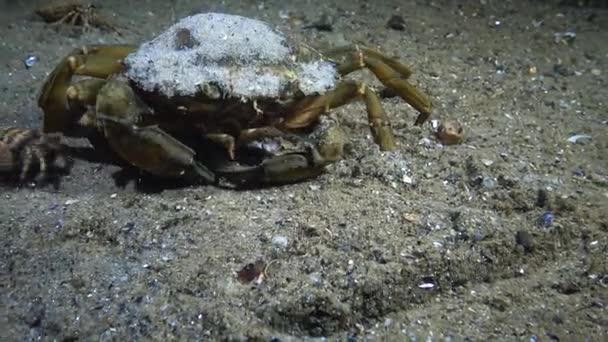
428	242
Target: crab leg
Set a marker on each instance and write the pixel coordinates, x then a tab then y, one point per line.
225	140
308	112
100	66
53	100
391	78
389	71
84	92
399	67
252	134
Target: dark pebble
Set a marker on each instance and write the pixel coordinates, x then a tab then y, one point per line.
396	22
35	313
323	24
541	198
524	239
579	172
546	220
562	70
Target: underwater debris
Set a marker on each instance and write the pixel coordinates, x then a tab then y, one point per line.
30	60
546	220
396	22
428	283
525	240
566	37
579	138
450	132
252	272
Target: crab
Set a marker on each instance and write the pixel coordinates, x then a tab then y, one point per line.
75	13
24	149
227	79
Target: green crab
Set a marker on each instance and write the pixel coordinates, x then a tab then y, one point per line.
221	78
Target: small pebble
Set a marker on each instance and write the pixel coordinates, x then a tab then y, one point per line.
546	219
541	198
487	162
579	138
280	241
494	22
30	61
579	172
396	22
488	182
71	201
314	187
427	283
252	272
524	239
563	70
567	37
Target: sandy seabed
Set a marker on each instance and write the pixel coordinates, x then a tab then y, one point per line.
426	243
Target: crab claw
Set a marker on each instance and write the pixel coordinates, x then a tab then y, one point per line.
148	148
283	169
303	158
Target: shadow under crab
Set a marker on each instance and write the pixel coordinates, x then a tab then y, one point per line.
222	78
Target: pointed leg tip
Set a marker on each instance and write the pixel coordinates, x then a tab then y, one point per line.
422	118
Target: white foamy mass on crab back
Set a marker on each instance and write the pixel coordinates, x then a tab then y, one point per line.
242	57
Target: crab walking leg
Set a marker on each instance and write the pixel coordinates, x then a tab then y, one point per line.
84	92
53	100
399	67
309	111
391	78
7	159
252	134
100	66
226	140
148	148
53	97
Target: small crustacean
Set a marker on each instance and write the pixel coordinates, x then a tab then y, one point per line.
76	13
22	149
